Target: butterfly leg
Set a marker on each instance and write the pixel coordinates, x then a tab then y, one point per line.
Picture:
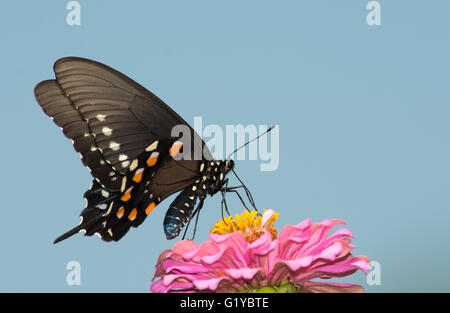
234	190
239	196
224	201
196	212
247	191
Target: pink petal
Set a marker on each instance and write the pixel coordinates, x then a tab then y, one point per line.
317	287
219	238
159	287
292	230
184	267
266	216
264	252
210	284
304	224
184	246
362	264
206	248
331	252
244	273
294	265
343	232
333	270
262	245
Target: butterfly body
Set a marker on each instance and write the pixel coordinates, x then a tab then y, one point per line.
123	135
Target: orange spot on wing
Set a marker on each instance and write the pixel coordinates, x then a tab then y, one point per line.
138	175
119	213
132	214
151	161
150	208
175	149
127	195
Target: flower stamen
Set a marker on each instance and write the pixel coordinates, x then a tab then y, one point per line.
250	224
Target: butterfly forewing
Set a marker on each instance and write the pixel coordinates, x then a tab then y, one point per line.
56	105
102	110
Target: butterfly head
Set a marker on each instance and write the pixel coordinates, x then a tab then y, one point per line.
229	165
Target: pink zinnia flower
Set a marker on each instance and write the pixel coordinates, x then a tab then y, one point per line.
252	258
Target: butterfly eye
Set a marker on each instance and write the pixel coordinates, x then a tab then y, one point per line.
229	165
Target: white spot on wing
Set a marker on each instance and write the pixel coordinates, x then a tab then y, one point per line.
107	131
101	117
134	165
152	147
102	206
124	183
114	146
109	209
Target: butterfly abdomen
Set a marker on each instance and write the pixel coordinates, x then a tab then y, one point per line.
180	211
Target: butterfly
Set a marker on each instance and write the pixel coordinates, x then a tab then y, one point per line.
123	133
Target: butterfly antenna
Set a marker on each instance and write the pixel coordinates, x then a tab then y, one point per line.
268	130
247	191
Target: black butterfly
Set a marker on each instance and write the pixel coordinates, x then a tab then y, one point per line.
123	135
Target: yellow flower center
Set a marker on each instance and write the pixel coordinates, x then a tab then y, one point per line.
249	224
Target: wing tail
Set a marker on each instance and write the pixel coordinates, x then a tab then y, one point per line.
90	227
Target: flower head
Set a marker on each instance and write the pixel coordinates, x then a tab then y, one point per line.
251	258
250	224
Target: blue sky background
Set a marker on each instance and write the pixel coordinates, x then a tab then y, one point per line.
363	114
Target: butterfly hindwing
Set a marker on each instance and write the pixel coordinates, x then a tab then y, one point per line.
98	199
111	214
